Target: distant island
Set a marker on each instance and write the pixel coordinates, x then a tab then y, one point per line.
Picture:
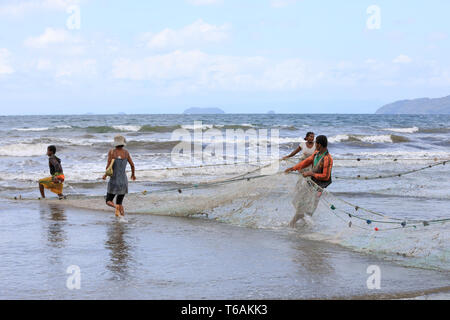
203	111
270	112
418	106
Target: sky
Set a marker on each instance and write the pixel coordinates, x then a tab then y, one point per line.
243	56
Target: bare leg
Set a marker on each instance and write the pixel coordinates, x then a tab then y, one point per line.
122	210
294	220
111	204
41	189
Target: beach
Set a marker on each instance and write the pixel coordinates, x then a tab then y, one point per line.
186	237
154	257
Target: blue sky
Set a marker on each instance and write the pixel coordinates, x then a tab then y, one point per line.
248	56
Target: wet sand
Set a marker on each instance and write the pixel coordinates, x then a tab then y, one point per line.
155	257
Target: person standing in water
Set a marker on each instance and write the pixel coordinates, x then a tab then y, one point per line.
55	182
307	146
118	183
307	197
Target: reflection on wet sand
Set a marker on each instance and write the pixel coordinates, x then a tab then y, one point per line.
56	221
119	249
313	258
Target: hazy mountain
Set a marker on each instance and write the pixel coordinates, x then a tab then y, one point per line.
204	111
418	106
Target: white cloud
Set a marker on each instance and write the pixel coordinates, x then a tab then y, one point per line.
5	67
67	68
194	70
49	37
204	2
196	33
403	59
87	67
61	39
20	7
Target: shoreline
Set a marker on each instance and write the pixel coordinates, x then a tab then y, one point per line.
187	258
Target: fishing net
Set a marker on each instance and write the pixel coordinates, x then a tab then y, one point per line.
250	197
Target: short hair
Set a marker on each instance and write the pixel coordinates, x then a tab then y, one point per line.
322	140
52	149
308	134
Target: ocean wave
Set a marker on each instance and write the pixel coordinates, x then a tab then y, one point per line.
401	154
153	145
434	130
32	129
23	150
161	129
127	128
403	130
388	138
43	128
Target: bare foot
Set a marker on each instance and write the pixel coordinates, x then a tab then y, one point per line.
122	211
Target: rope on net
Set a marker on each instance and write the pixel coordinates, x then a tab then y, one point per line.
401	223
255	163
394	174
252	163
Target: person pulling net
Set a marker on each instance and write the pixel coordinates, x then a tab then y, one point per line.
306	198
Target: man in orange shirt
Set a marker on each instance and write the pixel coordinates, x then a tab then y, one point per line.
307	198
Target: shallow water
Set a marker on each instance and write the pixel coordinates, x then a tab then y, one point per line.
235	243
154	257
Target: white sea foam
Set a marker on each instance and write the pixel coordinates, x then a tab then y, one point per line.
23	150
377	139
32	129
37	129
339	138
403	130
192	127
385	138
128	128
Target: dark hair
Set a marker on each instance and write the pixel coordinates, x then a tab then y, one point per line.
308	134
52	149
322	140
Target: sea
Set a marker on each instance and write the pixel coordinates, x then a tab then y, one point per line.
216	226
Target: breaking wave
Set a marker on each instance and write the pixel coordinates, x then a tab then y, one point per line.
388	138
23	150
403	130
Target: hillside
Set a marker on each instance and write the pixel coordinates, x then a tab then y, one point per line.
418	106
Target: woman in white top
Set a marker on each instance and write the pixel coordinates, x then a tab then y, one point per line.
308	147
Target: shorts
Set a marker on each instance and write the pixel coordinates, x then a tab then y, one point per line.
52	186
119	199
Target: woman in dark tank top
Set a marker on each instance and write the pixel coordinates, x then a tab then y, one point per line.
118	182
